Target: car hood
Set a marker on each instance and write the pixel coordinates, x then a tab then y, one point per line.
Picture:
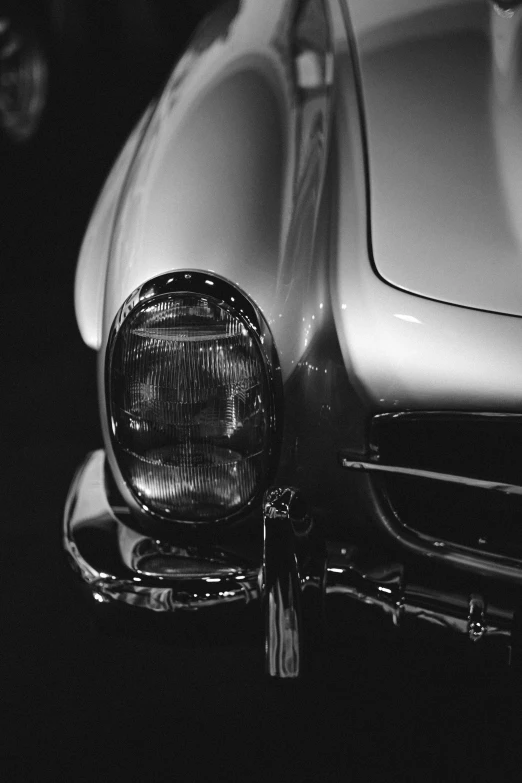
442	97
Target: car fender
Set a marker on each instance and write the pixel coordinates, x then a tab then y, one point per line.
225	174
91	270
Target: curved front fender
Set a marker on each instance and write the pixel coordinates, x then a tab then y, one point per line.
91	271
227	176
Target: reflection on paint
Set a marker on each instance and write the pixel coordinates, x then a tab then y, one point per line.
409	318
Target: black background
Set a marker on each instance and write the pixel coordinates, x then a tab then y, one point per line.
80	703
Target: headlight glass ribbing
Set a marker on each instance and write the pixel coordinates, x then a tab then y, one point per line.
189	400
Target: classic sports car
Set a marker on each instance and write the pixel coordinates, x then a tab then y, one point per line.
303	281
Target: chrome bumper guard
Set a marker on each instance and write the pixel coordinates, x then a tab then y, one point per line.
299	578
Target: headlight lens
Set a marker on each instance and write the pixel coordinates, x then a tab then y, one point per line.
191	416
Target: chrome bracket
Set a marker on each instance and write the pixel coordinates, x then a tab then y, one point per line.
293	565
476	618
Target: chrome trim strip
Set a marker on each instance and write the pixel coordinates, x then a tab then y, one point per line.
382	585
448	478
449	414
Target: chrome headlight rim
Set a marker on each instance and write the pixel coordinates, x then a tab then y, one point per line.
239	305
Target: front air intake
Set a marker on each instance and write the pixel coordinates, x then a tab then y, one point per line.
473	497
192	393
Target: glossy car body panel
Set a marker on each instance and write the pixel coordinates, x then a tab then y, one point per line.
405	351
91	272
185	205
443	105
227	177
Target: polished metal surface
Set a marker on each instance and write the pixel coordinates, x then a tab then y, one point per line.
441	415
292	577
447	478
379	582
283	521
476	618
119	564
281	587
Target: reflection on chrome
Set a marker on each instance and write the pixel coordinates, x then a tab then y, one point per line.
283	652
118	564
448	478
377	584
476	621
292	568
281	587
382	585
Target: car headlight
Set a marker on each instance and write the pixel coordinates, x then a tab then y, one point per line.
192	391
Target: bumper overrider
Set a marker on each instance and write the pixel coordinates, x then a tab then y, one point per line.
303	583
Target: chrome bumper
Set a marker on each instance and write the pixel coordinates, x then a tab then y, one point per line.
300	578
119	564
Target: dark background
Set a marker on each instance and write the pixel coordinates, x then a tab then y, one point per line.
80	703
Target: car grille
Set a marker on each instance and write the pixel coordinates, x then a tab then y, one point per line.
474	446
